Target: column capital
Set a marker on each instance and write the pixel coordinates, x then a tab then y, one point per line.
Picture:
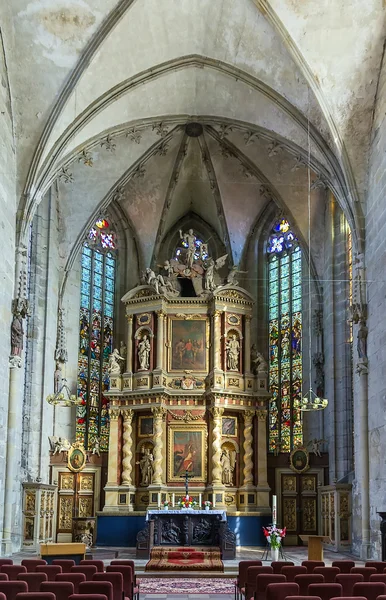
114	414
127	415
160	314
261	415
217	313
248	318
129	318
248	415
159	412
216	412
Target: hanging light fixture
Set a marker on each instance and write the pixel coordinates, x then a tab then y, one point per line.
63	396
310	401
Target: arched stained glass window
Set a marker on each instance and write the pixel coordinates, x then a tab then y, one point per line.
96	326
285	338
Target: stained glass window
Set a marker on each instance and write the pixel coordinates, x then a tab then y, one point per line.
96	326
285	338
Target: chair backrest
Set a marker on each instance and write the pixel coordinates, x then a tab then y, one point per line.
5	561
370	590
130	563
88	570
3	596
12	588
345	566
35	596
263	581
243	567
51	571
365	571
116	579
97	587
65	563
75	578
378	577
4	576
304	598
277	565
329	573
33	580
325	591
13	571
304	580
291	572
61	589
128	577
88	597
380	565
99	564
347	581
311	564
31	563
279	591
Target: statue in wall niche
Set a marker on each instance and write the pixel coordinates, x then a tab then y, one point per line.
362	340
17	333
57	377
228	463
232	347
146	466
115	361
144	353
189	239
258	362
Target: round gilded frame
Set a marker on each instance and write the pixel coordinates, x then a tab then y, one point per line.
299	460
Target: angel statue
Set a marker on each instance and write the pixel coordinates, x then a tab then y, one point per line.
231	279
58	444
314	446
228	463
210	268
259	364
115	359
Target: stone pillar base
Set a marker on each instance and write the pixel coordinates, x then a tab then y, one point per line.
216	494
127	379
366	551
157	494
247	499
115	383
158	376
6	548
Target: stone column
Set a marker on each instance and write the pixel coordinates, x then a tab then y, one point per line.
247	345
127	450
160	339
159	413
263	489
112	472
129	344
248	450
216	340
216	445
364	475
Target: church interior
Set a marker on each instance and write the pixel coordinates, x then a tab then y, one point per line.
193	282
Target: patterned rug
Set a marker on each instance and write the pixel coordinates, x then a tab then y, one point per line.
185	559
157	585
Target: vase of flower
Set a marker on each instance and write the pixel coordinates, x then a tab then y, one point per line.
274	554
274	537
207	505
165	505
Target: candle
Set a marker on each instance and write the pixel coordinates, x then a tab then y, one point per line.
200	500
173	499
214	500
274	510
159	499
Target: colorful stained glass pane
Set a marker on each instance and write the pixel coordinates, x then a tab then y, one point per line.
110	271
98	279
98	267
109	284
97	292
109	297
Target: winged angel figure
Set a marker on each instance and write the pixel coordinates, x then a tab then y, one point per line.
210	267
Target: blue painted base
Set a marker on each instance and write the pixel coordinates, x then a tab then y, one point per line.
121	530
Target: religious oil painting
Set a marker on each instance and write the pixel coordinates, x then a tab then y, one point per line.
229	426
145	426
188	344
187	452
76	458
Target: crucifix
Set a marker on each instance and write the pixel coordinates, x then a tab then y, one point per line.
186	477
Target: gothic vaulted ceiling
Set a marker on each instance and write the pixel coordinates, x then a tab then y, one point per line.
102	92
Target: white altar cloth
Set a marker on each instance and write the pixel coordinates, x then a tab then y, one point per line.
178	511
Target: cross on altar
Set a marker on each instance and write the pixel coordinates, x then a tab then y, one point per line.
186	477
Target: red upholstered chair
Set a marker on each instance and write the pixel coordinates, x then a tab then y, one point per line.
31	563
5	561
370	590
97	587
277	565
13	571
88	570
50	570
35	596
329	573
75	578
311	564
380	565
4	576
61	589
117	581
291	572
88	597
3	597
305	580
252	573
280	591
130	591
242	575
325	591
345	566
12	588
303	598
33	580
99	564
347	581
130	563
380	577
65	563
263	581
365	571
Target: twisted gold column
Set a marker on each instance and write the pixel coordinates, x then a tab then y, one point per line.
216	445
159	413
247	445
127	452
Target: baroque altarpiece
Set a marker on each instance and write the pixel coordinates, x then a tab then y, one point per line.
190	391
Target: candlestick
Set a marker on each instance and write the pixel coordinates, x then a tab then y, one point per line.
214	500
173	500
159	500
274	510
200	500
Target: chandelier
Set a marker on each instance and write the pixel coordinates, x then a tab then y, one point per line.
311	401
63	397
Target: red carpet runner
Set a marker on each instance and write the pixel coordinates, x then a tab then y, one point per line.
185	559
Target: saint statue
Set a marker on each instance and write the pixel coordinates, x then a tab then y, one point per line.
228	466
144	353
189	239
57	377
259	364
115	359
146	466
232	347
17	333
